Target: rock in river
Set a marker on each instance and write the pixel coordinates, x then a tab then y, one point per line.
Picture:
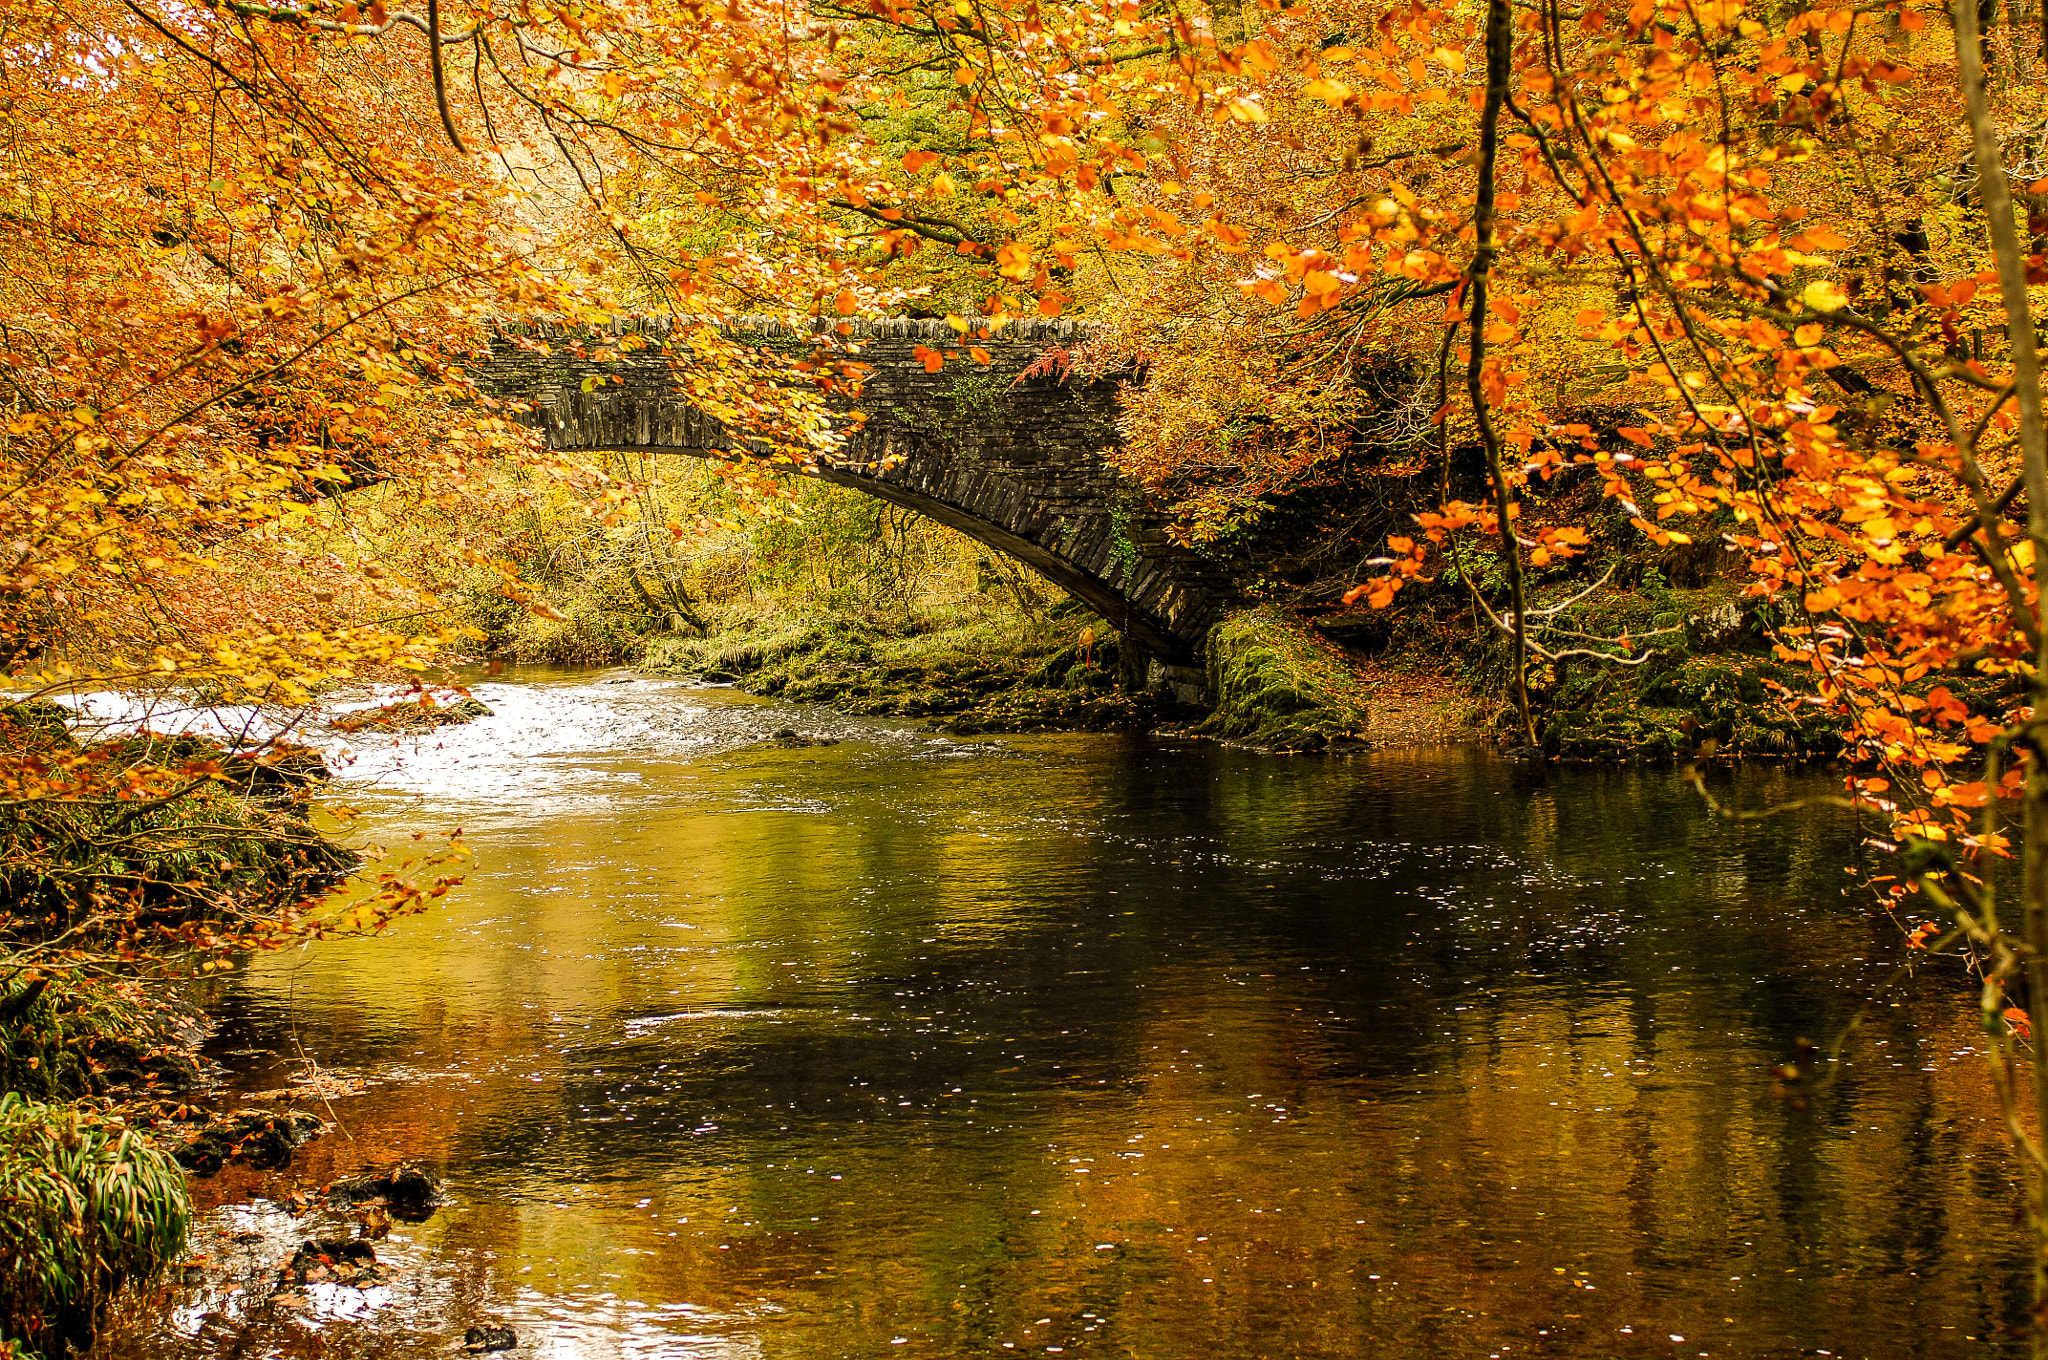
265	1139
336	1261
408	1190
790	737
489	1337
416	715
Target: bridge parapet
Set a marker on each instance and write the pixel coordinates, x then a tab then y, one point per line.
1015	462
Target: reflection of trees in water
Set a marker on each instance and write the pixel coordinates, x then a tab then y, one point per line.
1185	1047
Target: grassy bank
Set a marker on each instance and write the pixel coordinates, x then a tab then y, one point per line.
120	859
971	671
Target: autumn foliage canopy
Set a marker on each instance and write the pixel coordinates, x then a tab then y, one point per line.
1760	271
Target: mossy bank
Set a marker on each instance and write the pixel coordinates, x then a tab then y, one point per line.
122	861
1278	685
968	675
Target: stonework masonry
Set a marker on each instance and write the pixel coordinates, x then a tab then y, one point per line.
1016	463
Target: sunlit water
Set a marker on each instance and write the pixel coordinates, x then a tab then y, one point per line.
1103	1046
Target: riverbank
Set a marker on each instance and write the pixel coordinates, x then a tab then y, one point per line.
127	863
1059	671
1275	683
1648	673
847	607
845	603
1281	681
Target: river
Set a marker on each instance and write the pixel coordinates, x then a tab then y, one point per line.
1100	1046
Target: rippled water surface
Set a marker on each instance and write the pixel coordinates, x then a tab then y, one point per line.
1101	1046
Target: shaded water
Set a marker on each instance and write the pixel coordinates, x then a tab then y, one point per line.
1099	1046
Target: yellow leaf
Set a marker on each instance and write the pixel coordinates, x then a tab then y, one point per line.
1013	260
1823	296
1331	91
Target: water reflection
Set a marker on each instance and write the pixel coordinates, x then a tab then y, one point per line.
1112	1047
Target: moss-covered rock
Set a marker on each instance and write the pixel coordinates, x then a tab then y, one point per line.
1278	685
232	832
264	1139
423	714
277	768
1056	710
64	1035
179	860
409	1191
28	723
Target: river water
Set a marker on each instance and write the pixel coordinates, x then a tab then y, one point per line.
1101	1046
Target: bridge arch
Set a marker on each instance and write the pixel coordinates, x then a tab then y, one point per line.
1015	463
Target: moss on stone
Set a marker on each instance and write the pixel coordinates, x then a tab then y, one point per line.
66	1034
36	723
237	833
1279	685
1729	697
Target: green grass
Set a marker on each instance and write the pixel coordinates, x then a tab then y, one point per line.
748	641
87	1206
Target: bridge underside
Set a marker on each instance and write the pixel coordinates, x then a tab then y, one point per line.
1014	463
1091	590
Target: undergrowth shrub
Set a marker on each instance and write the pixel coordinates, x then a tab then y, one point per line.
87	1206
66	1035
232	834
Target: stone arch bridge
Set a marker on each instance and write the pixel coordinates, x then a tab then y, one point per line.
1014	462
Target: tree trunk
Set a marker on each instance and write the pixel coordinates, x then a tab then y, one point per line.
1996	198
1500	39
